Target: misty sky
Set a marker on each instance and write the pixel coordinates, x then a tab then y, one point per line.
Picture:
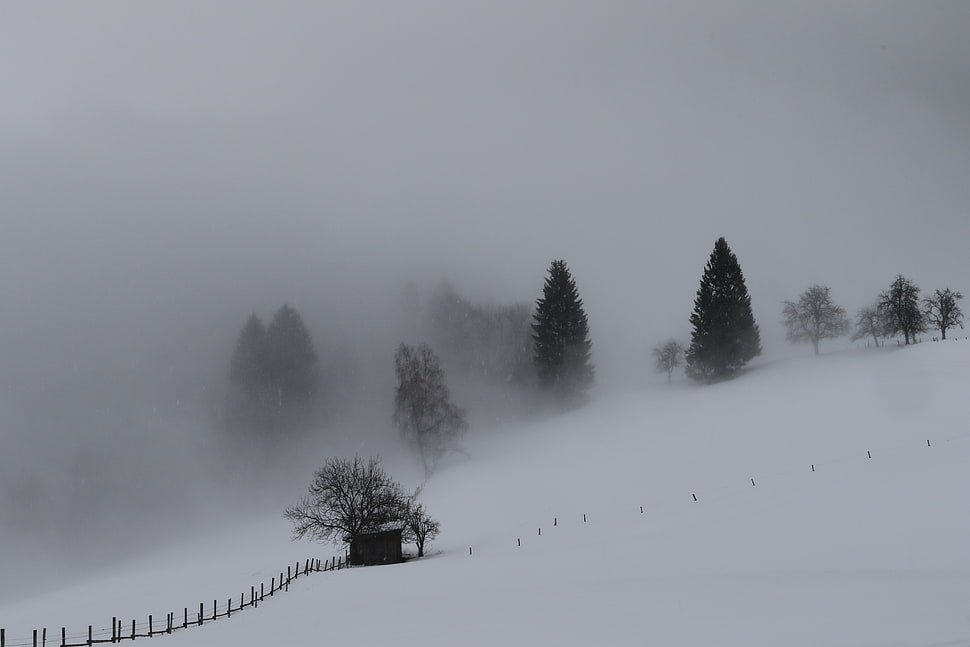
169	167
166	163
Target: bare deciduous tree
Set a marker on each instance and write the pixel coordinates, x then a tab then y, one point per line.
668	356
870	322
347	498
814	317
899	306
423	412
420	528
942	310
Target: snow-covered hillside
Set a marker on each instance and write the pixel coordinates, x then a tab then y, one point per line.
796	536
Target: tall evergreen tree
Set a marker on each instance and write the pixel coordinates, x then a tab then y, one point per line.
246	369
290	359
248	399
561	336
725	335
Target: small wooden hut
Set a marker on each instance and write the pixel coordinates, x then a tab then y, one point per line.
372	548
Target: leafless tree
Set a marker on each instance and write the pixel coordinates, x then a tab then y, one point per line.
668	356
814	317
423	412
899	306
942	310
420	528
347	498
870	322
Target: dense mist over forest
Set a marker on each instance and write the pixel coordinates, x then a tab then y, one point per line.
170	168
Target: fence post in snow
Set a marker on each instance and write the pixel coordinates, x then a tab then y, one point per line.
63	636
201	613
185	624
90	636
151	627
35	638
44	637
215	613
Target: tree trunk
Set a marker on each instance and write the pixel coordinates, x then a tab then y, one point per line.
943	332
815	345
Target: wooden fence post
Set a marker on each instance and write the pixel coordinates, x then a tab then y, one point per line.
262	592
132	628
114	628
90	636
151	626
185	624
272	585
214	614
201	613
35	638
44	638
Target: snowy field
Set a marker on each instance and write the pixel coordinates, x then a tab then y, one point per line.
827	547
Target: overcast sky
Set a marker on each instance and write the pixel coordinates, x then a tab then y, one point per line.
168	167
169	159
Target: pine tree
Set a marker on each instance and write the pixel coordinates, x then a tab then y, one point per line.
247	402
246	367
561	336
290	360
725	335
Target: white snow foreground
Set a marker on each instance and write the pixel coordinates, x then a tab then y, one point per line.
860	551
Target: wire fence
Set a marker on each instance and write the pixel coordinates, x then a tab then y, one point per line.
122	630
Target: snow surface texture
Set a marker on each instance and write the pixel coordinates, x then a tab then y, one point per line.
860	551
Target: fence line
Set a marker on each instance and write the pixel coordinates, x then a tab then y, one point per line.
207	612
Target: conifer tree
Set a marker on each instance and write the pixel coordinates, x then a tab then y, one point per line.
561	336
290	362
249	402
725	335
